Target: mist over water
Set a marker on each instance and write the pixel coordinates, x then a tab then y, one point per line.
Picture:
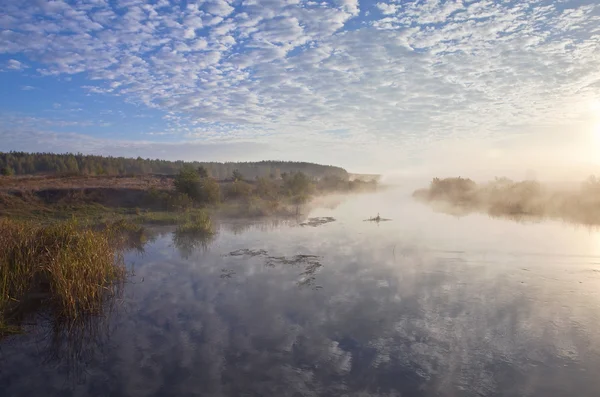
426	304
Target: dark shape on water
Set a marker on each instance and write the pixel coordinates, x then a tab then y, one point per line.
314	222
247	252
294	260
377	219
311	264
226	273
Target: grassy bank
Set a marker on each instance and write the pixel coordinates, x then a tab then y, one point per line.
70	269
162	200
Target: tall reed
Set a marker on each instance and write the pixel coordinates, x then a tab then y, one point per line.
74	269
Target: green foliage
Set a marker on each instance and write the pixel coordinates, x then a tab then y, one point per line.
202	172
7	171
238	190
237	175
167	200
297	184
187	182
333	183
267	189
195	233
210	192
48	163
201	190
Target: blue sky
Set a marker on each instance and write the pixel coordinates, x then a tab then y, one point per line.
369	85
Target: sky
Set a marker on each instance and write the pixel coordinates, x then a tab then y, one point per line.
405	87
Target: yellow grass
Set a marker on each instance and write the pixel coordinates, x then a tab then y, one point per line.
74	269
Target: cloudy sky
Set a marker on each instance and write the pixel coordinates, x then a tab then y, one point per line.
368	85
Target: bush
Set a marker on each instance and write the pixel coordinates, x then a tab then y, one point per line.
7	171
209	191
267	189
238	190
201	190
297	184
187	181
455	188
237	175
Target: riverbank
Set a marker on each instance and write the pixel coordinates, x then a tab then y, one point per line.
155	199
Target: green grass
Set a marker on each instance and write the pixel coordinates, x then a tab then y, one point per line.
197	223
195	233
73	269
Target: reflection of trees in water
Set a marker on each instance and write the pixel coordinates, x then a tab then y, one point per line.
243	226
188	241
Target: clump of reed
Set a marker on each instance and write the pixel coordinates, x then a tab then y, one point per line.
197	223
195	233
73	269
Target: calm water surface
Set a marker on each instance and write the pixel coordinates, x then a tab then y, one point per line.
426	304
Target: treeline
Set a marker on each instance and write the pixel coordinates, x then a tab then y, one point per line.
518	199
22	163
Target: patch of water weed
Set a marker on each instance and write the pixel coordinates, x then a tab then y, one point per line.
314	222
227	273
247	252
311	264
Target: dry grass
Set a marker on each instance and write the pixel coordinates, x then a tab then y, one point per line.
36	182
73	269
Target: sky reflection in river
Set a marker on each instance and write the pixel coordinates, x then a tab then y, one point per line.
425	305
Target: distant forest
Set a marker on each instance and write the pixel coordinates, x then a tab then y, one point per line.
21	163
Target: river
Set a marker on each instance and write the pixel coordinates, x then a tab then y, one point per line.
425	304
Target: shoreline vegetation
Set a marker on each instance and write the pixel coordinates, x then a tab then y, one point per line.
523	200
48	187
66	220
69	270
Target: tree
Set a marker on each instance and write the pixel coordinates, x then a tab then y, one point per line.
297	184
266	189
237	175
201	190
210	192
202	172
7	171
238	189
187	182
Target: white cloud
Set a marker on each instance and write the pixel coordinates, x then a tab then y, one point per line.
219	7
387	9
13	64
425	71
350	6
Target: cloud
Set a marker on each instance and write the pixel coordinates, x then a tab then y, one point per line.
387	9
219	7
22	133
27	88
419	72
13	64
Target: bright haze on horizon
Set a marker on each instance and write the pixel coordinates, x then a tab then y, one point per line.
407	87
